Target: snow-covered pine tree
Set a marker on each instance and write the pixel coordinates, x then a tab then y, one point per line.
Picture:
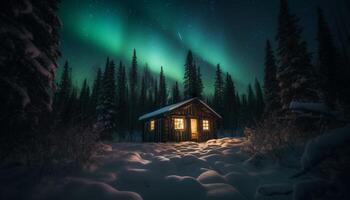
229	103
28	61
175	93
162	89
328	65
271	89
190	78
260	104
296	75
106	105
218	100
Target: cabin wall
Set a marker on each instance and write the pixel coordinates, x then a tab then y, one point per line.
164	126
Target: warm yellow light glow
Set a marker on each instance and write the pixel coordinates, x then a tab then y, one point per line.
152	125
179	124
206	125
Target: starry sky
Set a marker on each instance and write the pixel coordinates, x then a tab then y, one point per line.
230	32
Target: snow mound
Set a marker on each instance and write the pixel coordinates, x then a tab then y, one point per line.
211	176
78	188
322	146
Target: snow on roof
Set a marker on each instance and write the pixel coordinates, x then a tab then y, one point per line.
309	106
174	106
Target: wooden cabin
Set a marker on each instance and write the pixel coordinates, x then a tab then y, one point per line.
190	120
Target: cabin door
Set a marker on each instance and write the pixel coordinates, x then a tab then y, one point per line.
194	129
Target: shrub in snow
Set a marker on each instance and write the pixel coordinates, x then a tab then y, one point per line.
273	138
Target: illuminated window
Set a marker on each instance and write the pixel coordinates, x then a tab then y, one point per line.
151	125
178	124
206	125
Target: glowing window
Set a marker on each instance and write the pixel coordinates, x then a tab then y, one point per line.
178	124
206	125
151	125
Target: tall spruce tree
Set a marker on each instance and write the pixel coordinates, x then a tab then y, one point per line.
143	97
175	97
133	82
218	100
96	91
155	95
106	108
162	88
122	100
84	100
251	103
190	78
271	89
260	104
328	65
64	88
296	75
199	83
229	103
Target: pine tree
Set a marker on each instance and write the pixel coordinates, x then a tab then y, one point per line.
260	104
199	83
328	66
64	87
122	100
271	88
133	77
251	103
296	75
28	62
218	91
190	78
229	103
70	112
96	91
244	112
162	89
155	95
106	108
143	97
84	99
175	93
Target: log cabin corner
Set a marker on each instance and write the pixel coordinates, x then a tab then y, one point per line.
190	120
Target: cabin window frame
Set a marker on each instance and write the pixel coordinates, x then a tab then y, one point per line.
179	123
152	124
205	125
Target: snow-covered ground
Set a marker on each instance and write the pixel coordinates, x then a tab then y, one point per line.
215	170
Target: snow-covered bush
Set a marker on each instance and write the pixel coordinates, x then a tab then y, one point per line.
273	138
74	145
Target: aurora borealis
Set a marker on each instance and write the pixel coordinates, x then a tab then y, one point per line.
232	33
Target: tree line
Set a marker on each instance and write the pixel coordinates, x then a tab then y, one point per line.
118	97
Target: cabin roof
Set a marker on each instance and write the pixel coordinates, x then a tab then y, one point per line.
174	106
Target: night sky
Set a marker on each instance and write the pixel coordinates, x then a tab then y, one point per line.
232	33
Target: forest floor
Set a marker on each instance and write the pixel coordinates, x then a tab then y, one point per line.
215	170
